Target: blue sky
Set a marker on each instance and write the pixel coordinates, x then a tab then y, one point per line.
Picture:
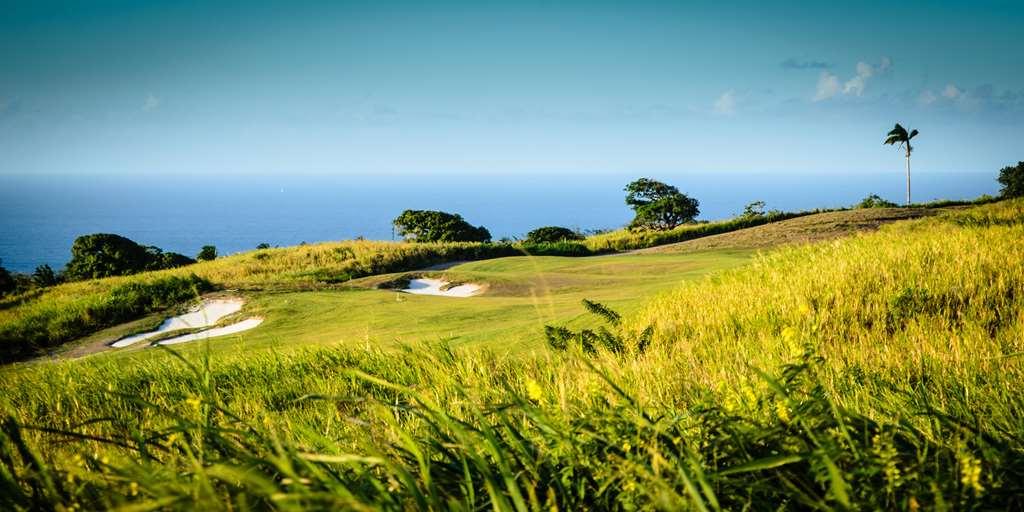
356	88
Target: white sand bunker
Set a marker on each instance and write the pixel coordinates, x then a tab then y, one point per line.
244	325
437	287
205	314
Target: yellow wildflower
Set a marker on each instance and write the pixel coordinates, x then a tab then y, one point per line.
970	473
782	411
534	391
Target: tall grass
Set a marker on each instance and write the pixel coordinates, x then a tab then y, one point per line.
877	372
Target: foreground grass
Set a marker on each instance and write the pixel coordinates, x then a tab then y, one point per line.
878	372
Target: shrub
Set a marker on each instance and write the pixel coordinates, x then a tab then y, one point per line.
550	234
1011	178
207	253
435	226
658	205
263	245
875	201
562	248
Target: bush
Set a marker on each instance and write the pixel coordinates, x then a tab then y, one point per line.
551	234
875	201
1011	178
563	248
435	226
207	253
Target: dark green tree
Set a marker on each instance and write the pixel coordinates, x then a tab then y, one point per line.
658	205
898	136
207	253
7	284
1011	178
45	276
435	226
551	234
263	245
104	255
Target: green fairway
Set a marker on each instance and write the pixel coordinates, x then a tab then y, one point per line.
523	293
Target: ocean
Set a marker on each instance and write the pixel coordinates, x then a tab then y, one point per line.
41	216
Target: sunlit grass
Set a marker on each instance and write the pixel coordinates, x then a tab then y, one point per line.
876	372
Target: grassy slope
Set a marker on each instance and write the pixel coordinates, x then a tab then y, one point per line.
807	229
78	310
900	387
523	294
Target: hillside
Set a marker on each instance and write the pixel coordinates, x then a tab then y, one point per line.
81	318
805	229
878	372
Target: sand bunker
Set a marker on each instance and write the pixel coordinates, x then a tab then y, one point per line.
244	325
207	313
437	287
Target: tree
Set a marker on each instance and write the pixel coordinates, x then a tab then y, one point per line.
207	253
754	209
658	205
551	234
104	255
262	246
901	138
44	276
435	226
1011	178
7	284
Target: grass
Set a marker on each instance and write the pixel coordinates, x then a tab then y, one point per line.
881	371
43	321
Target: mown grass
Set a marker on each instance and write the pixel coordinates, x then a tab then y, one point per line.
31	325
877	372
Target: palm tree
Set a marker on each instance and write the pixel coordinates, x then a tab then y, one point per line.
899	135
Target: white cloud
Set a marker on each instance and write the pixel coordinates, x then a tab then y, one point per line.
951	92
828	86
151	103
726	103
927	97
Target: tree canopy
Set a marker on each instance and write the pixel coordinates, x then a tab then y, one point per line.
659	205
207	253
551	234
1011	178
104	254
436	226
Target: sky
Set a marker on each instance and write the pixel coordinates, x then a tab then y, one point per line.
388	88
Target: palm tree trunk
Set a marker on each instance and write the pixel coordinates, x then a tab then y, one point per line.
908	178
